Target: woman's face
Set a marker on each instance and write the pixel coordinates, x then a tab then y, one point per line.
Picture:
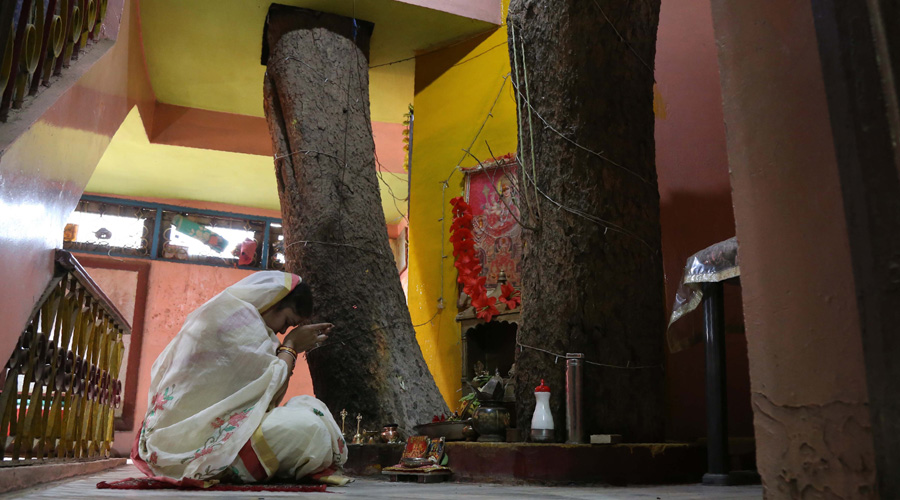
281	320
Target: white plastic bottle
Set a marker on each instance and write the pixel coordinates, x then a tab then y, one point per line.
542	421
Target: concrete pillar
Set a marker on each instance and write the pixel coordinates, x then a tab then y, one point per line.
807	370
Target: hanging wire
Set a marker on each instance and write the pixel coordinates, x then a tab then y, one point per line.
521	98
597	220
308	152
376	329
379	171
398	61
379	166
605	365
506	172
332	244
490	114
499	194
460	42
343	162
514	86
630	47
346	126
394	198
521	346
598	154
476	56
530	126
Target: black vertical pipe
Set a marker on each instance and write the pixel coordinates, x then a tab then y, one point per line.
716	397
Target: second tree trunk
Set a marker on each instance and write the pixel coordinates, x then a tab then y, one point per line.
592	273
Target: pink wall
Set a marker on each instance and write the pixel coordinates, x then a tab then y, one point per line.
484	10
695	205
45	164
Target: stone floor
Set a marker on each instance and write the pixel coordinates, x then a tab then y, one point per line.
84	487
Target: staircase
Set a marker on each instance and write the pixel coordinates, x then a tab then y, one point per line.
60	386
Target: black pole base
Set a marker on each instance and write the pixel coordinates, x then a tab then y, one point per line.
733	478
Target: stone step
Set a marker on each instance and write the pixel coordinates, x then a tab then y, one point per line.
616	464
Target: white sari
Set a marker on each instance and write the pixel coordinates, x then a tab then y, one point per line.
210	390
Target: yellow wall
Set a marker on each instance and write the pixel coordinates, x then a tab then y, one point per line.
132	166
135	166
390	91
205	53
454	92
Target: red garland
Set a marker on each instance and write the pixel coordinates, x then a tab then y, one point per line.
467	263
510	296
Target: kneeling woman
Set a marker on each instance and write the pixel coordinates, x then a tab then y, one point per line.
214	392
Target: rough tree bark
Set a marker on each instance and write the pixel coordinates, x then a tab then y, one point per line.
317	107
589	285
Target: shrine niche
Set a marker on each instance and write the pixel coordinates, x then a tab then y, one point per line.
491	342
487	241
487	247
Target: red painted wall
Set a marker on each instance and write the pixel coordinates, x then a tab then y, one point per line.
45	165
695	205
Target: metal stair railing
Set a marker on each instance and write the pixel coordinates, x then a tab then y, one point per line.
61	384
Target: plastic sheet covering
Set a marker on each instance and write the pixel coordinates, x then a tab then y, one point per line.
714	263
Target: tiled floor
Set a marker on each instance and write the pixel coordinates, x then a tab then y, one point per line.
85	487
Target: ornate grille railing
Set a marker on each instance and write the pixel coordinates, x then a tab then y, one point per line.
38	38
61	385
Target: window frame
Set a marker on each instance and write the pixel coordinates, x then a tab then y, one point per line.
156	236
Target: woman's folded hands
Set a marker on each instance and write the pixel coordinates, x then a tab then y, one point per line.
306	337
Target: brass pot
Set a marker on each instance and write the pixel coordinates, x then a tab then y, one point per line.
490	421
389	434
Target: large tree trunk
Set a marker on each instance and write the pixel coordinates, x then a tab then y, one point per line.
589	285
317	107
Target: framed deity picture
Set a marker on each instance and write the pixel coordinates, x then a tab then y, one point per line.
491	191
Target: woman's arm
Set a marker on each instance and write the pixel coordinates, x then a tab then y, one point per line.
289	359
299	339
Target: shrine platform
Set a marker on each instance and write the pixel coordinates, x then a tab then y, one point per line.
615	464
